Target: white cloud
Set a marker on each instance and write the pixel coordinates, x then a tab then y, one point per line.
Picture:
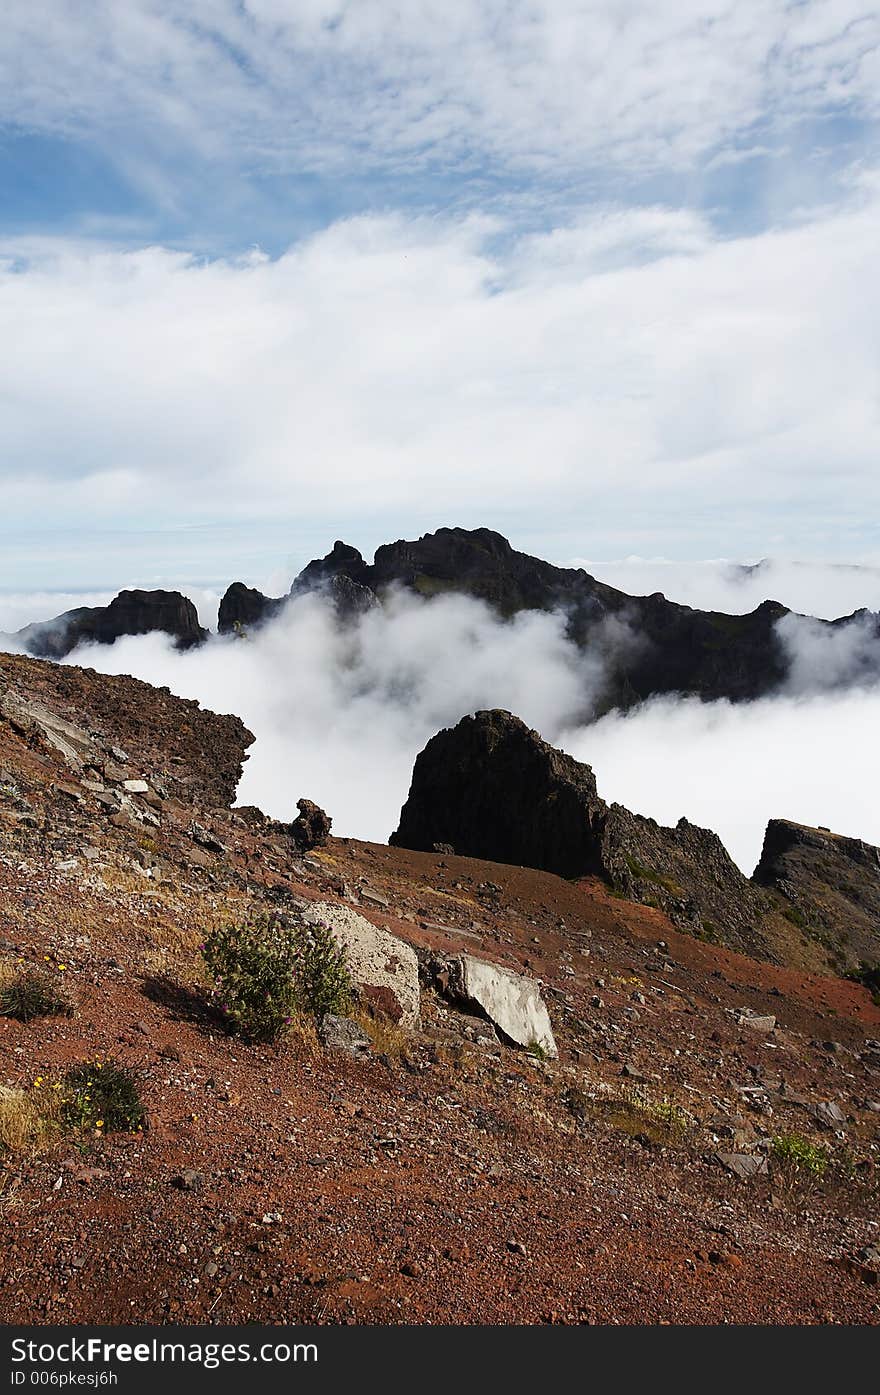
531	84
700	387
824	589
732	767
339	716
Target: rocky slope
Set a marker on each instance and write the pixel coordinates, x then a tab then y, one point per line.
433	1170
490	787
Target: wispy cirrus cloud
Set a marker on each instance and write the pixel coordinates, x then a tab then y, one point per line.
527	84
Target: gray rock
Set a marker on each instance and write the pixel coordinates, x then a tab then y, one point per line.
512	1002
759	1022
742	1165
343	1034
829	1115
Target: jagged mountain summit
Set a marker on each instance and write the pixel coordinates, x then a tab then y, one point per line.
649	645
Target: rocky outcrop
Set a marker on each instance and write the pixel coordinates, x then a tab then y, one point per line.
493	789
311	828
830	887
243	608
129	613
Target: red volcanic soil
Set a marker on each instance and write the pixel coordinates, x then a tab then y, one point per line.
448	1178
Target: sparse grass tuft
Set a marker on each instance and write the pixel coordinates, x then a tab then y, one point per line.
27	993
795	1156
387	1037
29	1119
104	1096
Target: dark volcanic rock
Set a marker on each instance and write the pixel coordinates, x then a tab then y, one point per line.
831	887
650	645
244	608
493	789
312	828
129	613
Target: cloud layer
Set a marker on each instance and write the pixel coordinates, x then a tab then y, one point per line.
632	382
325	84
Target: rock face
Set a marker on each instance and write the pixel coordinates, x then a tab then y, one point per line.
831	888
383	967
312	828
129	613
493	789
243	608
511	1002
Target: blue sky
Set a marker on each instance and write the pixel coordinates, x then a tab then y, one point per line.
601	275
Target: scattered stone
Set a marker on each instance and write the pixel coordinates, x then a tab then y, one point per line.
189	1180
829	1115
136	787
742	1165
759	1022
343	1034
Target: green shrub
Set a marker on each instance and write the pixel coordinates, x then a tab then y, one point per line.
103	1095
29	993
796	1154
322	979
264	972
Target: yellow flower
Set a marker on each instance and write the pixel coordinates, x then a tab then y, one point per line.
99	1123
62	967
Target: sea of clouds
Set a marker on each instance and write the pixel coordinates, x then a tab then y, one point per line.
340	712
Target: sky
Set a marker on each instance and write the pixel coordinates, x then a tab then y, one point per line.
600	274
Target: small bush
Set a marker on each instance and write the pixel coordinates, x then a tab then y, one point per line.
29	993
796	1155
103	1095
264	972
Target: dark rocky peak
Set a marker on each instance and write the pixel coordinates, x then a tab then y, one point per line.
342	560
831	887
243	608
129	613
492	788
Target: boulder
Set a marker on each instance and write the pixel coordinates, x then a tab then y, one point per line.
378	961
312	828
510	1001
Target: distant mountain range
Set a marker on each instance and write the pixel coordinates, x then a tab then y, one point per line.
650	645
